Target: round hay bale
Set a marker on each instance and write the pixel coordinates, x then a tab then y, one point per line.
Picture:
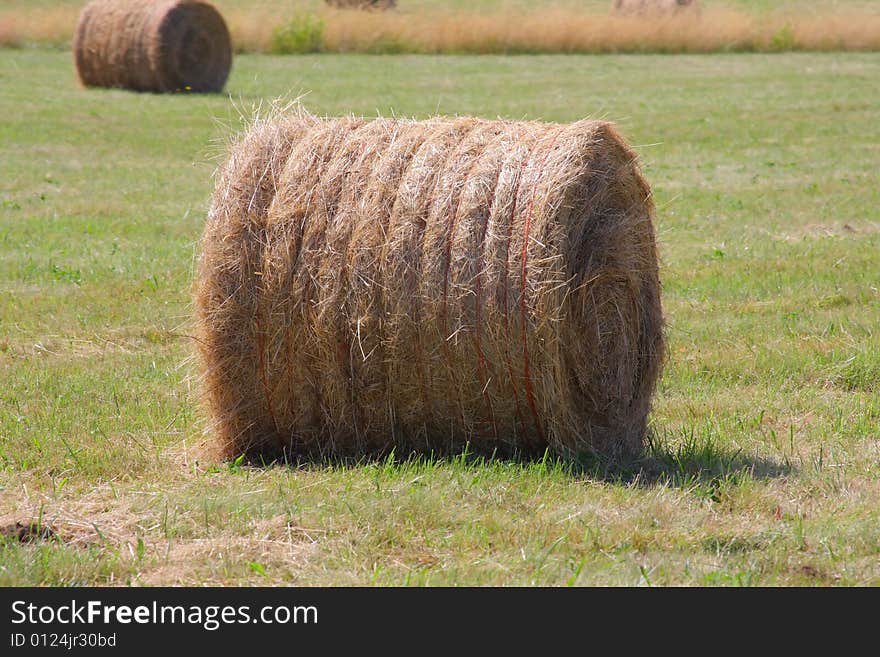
655	7
381	5
161	45
369	285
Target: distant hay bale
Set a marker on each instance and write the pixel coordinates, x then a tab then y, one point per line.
362	4
369	285
636	7
161	45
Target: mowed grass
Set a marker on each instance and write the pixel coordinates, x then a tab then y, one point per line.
763	464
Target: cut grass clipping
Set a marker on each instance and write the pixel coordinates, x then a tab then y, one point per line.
162	46
425	286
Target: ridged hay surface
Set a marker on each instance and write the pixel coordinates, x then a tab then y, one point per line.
162	46
368	285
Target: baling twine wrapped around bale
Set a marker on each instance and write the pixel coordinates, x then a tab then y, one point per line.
152	45
422	285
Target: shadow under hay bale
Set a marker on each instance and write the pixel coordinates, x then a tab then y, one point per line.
362	4
369	285
31	532
642	7
161	46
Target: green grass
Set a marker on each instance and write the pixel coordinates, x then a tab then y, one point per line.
763	466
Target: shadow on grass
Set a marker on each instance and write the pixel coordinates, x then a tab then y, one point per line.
687	460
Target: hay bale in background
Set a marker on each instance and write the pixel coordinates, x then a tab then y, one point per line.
368	285
654	7
163	45
362	4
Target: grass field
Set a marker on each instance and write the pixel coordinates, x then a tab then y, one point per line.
291	6
500	27
763	467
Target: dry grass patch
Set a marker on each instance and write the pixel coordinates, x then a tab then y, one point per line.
551	30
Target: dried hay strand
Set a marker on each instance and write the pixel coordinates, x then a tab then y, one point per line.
162	46
425	285
381	5
654	7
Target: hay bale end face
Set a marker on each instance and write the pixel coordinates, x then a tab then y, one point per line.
369	285
160	46
655	7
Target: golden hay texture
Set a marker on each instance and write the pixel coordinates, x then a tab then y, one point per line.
654	6
369	285
164	46
362	4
